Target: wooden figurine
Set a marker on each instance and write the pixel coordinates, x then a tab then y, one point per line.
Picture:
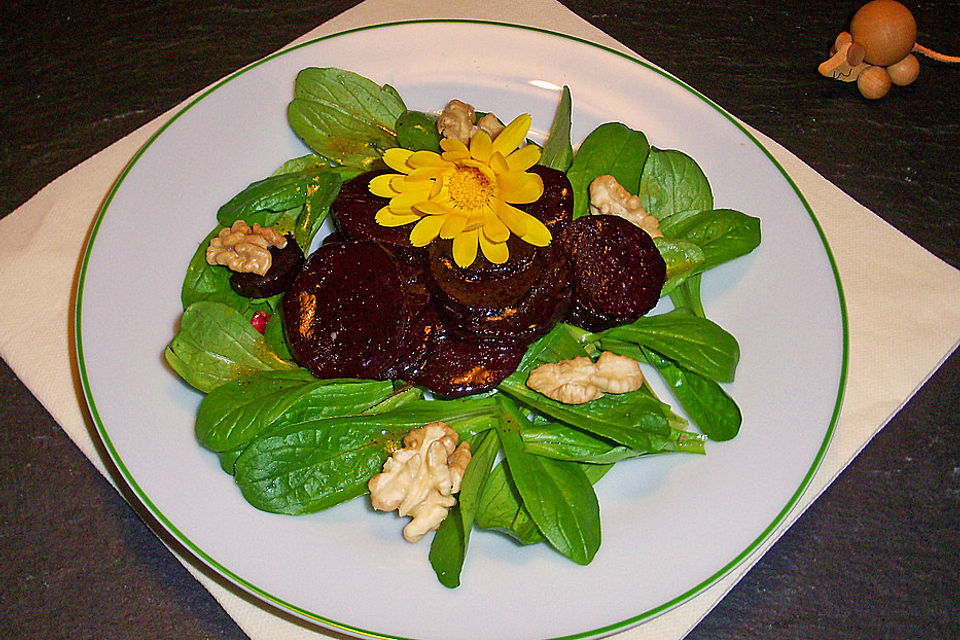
878	51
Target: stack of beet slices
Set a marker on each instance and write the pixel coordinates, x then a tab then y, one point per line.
366	304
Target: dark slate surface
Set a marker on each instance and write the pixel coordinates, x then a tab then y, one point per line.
875	557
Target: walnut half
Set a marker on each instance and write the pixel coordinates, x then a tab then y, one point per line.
459	120
609	197
581	380
244	249
419	480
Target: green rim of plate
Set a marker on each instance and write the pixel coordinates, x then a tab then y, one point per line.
309	615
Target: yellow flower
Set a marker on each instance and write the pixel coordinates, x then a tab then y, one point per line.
466	193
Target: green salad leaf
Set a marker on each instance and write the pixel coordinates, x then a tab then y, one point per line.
705	401
673	184
216	344
699	344
302	466
557	495
234	413
449	547
417	131
721	234
344	117
557	152
610	149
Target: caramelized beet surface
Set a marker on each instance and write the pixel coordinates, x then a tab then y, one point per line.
458	365
362	309
354	209
369	305
522	298
617	271
523	303
346	314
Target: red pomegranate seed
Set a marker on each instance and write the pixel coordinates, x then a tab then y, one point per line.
259	321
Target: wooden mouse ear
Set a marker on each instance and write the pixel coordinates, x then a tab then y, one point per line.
855	54
842	39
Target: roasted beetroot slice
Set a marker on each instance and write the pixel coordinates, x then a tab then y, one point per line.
457	366
484	284
522	298
523	306
555	206
422	317
285	264
345	314
354	211
616	271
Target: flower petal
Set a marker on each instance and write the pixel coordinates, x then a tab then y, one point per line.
424	232
454	150
426	173
405	202
396	158
433	208
515	219
437	187
498	164
524	157
518	187
536	232
513	134
494	228
452	144
388	218
481	146
453	226
423	158
383	185
465	248
495	252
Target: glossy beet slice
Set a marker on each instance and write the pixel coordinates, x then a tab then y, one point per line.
457	366
421	314
523	297
354	211
617	272
285	264
523	305
555	206
346	314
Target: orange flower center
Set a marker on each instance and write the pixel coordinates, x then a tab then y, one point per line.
469	188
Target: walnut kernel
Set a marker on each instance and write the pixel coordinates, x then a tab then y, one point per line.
419	480
609	197
491	124
457	121
579	380
244	249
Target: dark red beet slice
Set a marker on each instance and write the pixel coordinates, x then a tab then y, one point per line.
355	208
457	366
346	315
555	206
617	272
285	264
525	296
421	314
523	304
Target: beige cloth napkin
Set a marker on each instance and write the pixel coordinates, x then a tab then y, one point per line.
909	287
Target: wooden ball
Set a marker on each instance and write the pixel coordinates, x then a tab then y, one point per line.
886	30
873	82
904	72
